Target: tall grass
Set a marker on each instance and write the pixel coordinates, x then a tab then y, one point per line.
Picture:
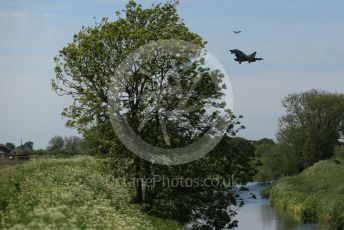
71	193
317	194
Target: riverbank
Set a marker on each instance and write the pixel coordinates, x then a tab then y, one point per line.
72	193
315	195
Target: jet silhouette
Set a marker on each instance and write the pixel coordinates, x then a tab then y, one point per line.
242	57
237	32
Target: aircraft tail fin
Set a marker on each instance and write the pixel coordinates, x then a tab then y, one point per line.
253	55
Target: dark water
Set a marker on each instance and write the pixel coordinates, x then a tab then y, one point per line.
258	214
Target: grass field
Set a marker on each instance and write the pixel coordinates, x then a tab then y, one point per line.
71	193
317	194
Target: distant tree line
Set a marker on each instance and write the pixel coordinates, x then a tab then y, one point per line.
9	147
72	145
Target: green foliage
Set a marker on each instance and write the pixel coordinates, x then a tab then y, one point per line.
313	124
28	145
56	143
73	145
263	141
73	193
278	160
26	148
262	146
315	194
10	146
228	164
84	69
66	146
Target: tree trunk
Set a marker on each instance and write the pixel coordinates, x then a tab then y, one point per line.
139	198
148	196
138	182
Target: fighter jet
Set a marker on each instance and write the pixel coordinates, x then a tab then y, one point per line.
242	57
237	32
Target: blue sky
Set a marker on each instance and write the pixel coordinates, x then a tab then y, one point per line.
301	42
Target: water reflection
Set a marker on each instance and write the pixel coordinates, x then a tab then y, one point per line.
257	214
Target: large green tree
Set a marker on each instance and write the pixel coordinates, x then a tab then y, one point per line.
84	70
314	124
